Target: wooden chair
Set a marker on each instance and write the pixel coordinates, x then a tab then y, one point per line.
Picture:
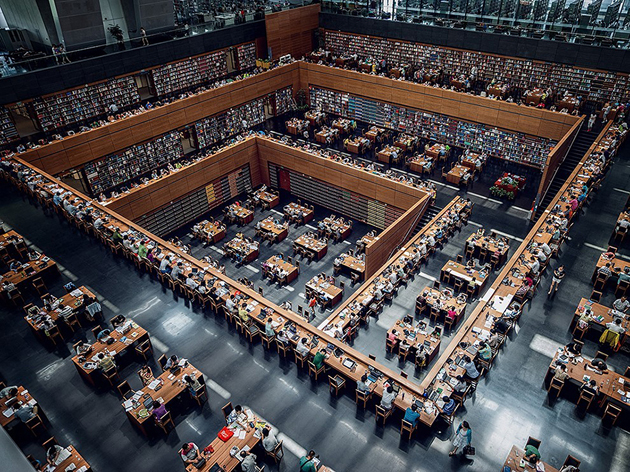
458	284
611	413
16	297
200	395
72	321
39	286
251	332
336	384
533	442
570	460
436	284
596	296
164	422
601	355
34	423
313	370
260	290
111	376
434	314
299	359
556	385
471	291
283	348
97	329
125	390
382	414
600	282
406	428
162	362
622	289
26	308
362	398
579	331
459	259
144	349
390	345
227	409
54	335
266	340
50	442
403	351
277	454
585	397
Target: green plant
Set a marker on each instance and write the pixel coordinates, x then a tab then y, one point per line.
510	195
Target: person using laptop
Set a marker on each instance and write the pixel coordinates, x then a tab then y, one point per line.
171	362
52	454
248	464
190	453
10	391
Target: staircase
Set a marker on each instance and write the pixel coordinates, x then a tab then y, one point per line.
429	214
582	142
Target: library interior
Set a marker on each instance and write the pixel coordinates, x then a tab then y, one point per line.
405	219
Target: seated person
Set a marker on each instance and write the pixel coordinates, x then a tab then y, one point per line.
461	385
146	375
248	464
319	358
302	347
118	320
574	348
412	415
269	440
531	454
362	384
189	453
103	334
26	412
159	410
82	348
449	405
237	416
471	369
105	362
484	352
171	362
387	401
560	372
52	454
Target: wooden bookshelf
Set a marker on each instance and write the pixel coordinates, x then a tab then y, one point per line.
8	132
597	85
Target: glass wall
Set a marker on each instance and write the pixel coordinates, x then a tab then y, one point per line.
605	22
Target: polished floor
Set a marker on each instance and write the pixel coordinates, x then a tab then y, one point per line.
509	405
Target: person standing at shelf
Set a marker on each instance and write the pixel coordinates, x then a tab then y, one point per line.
143	35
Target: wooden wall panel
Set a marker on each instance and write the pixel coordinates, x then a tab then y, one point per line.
146	199
291	31
94	144
509	116
379	251
354	180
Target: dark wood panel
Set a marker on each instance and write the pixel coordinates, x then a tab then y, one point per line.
291	31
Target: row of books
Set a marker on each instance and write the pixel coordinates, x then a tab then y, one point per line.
516	147
8	132
599	86
188	73
128	164
90	101
246	54
218	127
284	100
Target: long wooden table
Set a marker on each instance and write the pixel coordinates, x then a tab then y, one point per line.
122	343
72	300
291	209
221	455
385	154
14	243
599	317
7	415
290	269
74	459
422	164
436	150
406	142
358	145
513	461
460	271
240	246
414	337
327	135
429	298
317	247
296	126
353	265
457	174
29	271
170	386
243	215
327	294
492	245
210	231
279	232
271	199
333	225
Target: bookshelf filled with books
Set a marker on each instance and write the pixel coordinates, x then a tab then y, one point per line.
211	130
284	101
515	147
8	132
246	54
188	73
596	85
84	103
132	162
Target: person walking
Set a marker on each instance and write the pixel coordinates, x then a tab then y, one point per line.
558	275
463	437
591	121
